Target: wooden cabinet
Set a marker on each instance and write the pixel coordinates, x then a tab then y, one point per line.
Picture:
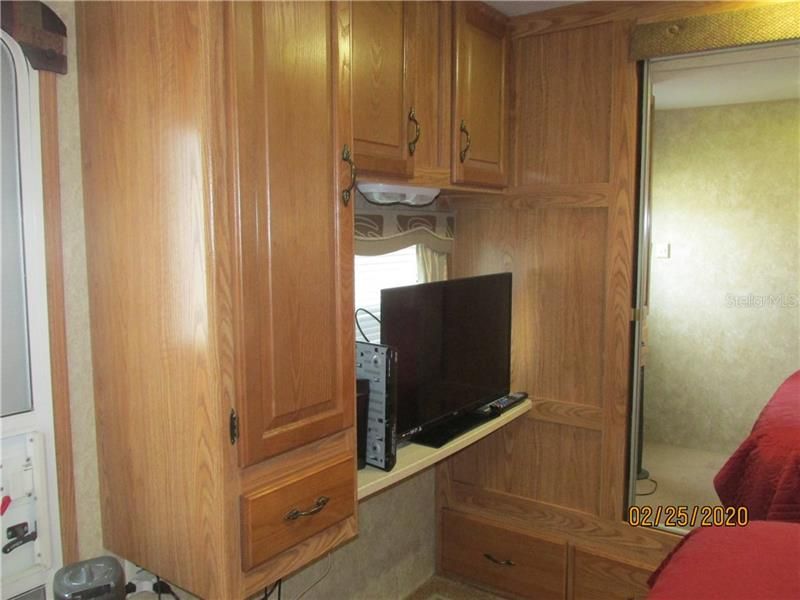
567	235
403	63
383	85
596	577
220	264
294	235
480	96
506	559
432	66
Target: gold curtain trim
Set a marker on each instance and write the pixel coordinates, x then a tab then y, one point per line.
763	24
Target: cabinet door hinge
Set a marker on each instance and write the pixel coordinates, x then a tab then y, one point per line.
234	427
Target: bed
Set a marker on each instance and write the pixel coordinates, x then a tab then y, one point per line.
764	472
761	560
758	562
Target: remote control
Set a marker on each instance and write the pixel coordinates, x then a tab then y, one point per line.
506	402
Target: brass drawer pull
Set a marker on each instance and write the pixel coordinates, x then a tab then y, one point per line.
412	117
296	513
347	157
463	129
504	563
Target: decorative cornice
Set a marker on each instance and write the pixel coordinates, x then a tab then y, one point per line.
763	24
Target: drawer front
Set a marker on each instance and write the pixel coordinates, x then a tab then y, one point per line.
281	515
503	558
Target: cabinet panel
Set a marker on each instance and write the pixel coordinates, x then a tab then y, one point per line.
382	86
480	96
564	92
150	168
598	578
272	520
432	66
295	286
502	558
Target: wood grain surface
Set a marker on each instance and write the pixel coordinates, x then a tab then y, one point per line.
564	136
585	14
596	577
148	176
56	312
566	232
383	86
177	152
433	81
480	95
266	528
290	216
539	564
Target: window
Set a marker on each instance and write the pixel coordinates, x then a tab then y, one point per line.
374	273
26	401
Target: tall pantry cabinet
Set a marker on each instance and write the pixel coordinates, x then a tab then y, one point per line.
217	157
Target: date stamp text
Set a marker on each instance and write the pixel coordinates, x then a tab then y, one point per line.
688	516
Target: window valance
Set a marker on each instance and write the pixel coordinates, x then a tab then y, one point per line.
381	230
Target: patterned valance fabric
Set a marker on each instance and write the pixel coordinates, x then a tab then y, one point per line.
381	230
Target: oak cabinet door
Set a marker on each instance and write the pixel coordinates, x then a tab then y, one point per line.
382	87
480	97
294	352
433	77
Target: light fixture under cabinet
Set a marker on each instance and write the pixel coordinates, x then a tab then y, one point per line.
387	194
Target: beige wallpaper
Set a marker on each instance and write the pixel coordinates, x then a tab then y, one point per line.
725	306
77	299
394	552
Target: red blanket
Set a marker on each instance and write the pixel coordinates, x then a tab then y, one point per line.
756	562
764	472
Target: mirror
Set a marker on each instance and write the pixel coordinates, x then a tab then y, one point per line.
719	267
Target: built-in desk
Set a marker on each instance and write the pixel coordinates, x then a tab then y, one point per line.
413	458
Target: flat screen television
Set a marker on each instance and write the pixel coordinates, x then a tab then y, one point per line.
453	342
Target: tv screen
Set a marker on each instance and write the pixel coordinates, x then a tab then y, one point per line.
453	342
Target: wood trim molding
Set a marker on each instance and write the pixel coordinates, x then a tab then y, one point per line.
48	114
585	14
40	33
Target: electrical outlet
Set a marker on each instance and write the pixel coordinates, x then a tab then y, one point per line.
144	580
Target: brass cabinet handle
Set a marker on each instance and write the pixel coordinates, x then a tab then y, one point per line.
347	157
504	563
412	145
296	513
463	129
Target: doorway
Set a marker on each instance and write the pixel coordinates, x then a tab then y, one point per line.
718	325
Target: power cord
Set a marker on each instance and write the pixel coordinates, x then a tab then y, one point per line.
162	587
361	331
323	576
651	492
269	590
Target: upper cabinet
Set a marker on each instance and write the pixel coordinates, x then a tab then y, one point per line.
433	61
384	128
480	96
419	69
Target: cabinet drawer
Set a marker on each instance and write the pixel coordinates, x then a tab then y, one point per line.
278	516
503	558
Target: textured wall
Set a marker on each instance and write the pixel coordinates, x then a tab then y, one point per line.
394	552
725	307
76	292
